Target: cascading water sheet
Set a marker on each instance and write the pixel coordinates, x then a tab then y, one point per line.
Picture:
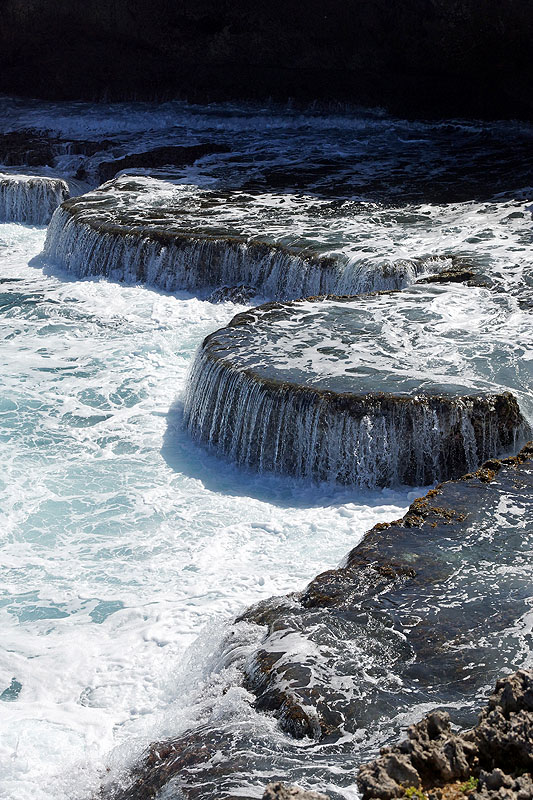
369	391
31	199
122	538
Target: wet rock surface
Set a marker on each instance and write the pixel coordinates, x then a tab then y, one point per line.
457	271
391	616
409	621
232	294
181	237
294	389
168	156
494	759
282	791
36	148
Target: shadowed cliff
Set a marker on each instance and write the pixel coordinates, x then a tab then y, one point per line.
415	57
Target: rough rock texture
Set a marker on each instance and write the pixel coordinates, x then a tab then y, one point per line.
498	752
36	148
441	57
369	641
233	294
173	156
283	791
458	271
362	623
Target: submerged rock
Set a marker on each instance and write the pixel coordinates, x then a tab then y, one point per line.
494	759
295	389
35	148
457	270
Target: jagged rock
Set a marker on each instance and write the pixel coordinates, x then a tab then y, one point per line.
498	751
496	785
283	791
505	730
314	637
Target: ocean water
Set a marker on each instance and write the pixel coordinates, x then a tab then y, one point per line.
121	540
127	548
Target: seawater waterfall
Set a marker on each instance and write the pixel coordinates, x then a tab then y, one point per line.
31	199
224	375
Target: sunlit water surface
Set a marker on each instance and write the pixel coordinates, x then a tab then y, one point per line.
121	539
127	548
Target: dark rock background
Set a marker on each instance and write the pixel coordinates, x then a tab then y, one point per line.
415	57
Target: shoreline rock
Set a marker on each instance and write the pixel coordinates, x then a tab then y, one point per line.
494	759
305	671
271	420
396	567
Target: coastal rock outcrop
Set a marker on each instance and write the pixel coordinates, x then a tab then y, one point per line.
169	155
410	620
293	388
388	625
181	237
492	761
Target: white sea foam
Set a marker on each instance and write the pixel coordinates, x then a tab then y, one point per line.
121	539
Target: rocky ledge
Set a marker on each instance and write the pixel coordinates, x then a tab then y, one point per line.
423	613
410	617
181	237
492	761
295	388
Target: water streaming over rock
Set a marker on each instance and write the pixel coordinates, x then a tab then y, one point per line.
313	388
364	441
31	199
176	238
124	538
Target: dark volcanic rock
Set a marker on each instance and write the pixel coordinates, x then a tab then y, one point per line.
232	294
395	627
498	751
457	271
362	624
35	148
177	156
28	147
421	57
